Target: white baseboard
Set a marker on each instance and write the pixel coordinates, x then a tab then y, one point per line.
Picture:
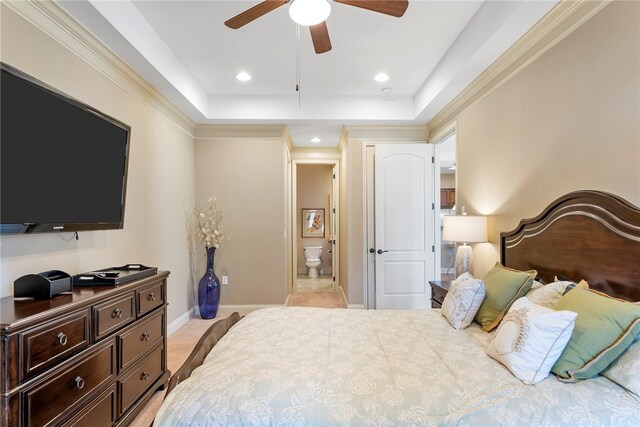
344	297
356	306
182	320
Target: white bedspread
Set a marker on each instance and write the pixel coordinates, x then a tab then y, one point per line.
307	366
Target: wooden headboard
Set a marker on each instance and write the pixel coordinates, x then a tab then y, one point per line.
590	235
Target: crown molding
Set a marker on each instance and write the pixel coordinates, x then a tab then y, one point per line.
344	138
319	154
286	137
384	133
556	25
278	132
51	19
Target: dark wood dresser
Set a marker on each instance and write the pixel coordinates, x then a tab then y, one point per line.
90	357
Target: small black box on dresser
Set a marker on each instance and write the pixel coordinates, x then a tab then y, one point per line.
439	290
42	285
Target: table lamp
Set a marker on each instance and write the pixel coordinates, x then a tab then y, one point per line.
464	229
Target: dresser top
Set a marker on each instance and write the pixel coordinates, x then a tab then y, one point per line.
16	311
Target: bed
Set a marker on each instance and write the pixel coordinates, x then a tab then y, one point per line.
307	366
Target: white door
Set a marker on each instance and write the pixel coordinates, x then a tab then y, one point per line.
404	227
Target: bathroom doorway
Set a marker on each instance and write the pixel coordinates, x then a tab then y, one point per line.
314	224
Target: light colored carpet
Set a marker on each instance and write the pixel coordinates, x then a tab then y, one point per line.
179	346
316	299
322	283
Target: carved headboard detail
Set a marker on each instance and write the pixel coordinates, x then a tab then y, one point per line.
590	235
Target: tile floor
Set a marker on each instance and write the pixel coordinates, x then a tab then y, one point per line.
322	283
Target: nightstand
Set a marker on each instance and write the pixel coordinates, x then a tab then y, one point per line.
439	289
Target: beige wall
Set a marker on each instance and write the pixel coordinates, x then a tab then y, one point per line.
569	121
313	188
160	188
247	177
448	180
355	230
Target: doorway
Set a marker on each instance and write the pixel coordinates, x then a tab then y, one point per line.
400	226
314	216
446	172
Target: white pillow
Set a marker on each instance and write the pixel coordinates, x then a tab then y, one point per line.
626	369
549	294
463	300
536	285
530	339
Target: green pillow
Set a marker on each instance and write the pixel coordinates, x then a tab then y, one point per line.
604	328
503	286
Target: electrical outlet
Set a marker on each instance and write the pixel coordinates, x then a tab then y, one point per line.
225	280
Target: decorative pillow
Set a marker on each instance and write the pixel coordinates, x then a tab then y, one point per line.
530	339
605	327
463	300
536	285
626	370
550	294
503	286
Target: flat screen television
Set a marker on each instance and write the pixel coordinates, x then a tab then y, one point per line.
63	164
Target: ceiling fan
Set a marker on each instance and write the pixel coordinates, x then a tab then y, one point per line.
313	13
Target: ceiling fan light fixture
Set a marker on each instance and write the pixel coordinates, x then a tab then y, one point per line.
309	12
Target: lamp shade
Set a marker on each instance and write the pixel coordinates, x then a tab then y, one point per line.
465	228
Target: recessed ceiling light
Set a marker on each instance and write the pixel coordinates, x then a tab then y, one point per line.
243	76
315	140
385	90
381	77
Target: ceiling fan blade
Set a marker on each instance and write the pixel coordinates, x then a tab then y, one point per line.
254	13
388	7
320	37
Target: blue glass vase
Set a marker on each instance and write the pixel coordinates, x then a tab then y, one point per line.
209	289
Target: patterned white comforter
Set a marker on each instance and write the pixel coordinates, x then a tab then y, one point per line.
317	367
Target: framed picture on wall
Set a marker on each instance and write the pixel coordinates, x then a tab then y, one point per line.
312	222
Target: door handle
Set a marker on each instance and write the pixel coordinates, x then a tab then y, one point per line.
380	251
372	251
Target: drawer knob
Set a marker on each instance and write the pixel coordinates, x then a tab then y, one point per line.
144	376
145	336
116	313
151	296
79	383
62	339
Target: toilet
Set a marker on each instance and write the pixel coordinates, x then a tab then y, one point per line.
312	256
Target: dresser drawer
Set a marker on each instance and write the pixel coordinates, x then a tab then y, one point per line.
150	297
101	412
134	384
112	315
47	402
45	345
142	338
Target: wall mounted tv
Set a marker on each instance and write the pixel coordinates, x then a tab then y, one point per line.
63	164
